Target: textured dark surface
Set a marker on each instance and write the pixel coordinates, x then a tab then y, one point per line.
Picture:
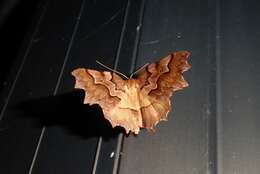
18	19
239	84
212	128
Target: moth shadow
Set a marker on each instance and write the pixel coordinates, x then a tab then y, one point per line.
67	110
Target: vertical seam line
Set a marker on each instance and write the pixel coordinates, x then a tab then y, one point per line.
218	91
137	38
122	35
94	169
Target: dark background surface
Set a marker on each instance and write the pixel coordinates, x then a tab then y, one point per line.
213	126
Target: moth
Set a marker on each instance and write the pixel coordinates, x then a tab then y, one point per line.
139	102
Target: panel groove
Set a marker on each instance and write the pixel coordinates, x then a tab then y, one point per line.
219	151
138	34
100	139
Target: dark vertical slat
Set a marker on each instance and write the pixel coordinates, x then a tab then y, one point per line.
69	146
19	53
17	68
180	145
213	50
131	36
239	139
19	133
108	151
16	14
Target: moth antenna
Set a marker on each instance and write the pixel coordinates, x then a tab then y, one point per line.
139	69
113	70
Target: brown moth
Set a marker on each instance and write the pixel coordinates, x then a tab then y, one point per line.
139	102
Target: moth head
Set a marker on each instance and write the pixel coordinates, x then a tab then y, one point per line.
131	83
